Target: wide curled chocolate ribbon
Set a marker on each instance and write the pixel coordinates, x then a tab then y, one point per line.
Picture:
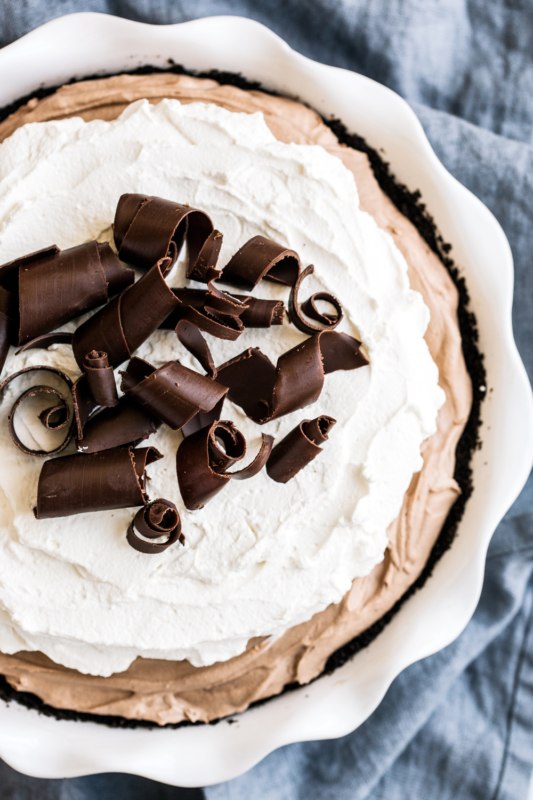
266	392
97	482
310	309
120	327
204	457
158	518
298	448
125	423
261	258
54	286
173	393
56	417
148	229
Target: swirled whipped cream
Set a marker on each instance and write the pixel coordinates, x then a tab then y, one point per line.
262	556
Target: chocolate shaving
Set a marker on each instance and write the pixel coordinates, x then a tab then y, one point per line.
330	321
261	313
46	340
255	313
298	448
203	419
84	404
173	393
148	229
188	331
8	325
158	518
212	311
125	423
53	418
204	457
261	258
55	286
266	392
123	325
100	378
191	338
97	482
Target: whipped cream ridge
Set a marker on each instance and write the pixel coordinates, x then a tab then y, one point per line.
261	557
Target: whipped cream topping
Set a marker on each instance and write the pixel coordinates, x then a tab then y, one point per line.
260	557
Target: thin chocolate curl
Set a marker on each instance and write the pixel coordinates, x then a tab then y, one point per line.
46	340
261	258
55	417
100	378
125	423
55	286
266	392
298	448
173	393
148	229
98	482
158	518
123	325
310	309
204	457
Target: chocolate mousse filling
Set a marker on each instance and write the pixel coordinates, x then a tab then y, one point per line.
175	693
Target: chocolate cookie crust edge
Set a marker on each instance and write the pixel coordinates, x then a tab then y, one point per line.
411	206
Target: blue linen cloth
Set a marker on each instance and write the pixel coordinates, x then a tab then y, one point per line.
460	723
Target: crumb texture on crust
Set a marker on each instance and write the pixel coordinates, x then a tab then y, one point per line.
170	692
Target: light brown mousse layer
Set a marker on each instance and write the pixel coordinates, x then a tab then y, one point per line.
166	691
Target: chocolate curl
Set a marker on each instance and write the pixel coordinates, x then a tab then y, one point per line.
212	311
265	392
219	317
203	419
123	325
98	482
204	457
310	308
298	448
220	314
190	337
148	229
154	520
53	418
262	258
261	313
46	340
55	286
100	378
256	312
125	423
173	393
8	324
84	404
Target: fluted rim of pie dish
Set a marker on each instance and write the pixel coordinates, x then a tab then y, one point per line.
334	705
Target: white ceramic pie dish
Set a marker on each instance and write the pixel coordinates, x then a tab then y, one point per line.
85	44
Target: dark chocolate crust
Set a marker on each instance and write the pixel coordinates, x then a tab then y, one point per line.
411	205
